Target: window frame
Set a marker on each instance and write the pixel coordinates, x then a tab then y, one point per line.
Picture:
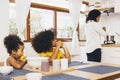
47	7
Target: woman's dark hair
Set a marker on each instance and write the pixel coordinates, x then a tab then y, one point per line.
42	42
93	14
12	42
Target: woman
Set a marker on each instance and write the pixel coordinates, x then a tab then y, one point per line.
93	32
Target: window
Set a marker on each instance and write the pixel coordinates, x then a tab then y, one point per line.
46	14
46	17
40	19
64	26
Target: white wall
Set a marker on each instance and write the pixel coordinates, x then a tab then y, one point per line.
4	14
29	51
112	22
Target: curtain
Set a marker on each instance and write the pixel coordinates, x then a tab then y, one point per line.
74	8
22	10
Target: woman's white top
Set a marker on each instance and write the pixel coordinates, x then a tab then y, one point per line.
93	32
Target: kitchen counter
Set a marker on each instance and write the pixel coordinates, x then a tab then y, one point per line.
110	45
105	45
111	53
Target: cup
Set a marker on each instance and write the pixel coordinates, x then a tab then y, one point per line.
45	65
64	64
34	76
56	65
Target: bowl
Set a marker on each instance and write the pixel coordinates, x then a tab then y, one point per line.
35	62
33	76
5	70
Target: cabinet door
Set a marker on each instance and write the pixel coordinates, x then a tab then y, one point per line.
113	60
107	51
111	55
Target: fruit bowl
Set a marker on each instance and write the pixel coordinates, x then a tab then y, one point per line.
35	62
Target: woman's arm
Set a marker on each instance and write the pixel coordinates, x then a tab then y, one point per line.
100	30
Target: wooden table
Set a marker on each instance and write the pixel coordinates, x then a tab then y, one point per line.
73	71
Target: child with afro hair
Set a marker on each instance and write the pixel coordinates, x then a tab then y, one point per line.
15	48
46	45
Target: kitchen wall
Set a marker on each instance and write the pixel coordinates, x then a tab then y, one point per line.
4	23
112	22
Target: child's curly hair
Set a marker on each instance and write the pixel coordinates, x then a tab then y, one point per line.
12	42
42	42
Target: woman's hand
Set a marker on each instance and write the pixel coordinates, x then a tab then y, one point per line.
104	28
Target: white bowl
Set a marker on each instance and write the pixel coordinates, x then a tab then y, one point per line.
33	76
5	70
35	62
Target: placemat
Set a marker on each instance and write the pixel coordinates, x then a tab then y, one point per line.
62	77
101	69
17	73
76	63
5	78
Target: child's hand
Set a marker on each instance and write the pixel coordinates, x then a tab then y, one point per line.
59	43
62	44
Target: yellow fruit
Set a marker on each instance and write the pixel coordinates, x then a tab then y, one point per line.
22	58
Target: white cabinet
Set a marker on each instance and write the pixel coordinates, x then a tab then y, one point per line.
117	6
111	55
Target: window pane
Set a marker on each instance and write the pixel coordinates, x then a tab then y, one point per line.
12	19
64	25
40	19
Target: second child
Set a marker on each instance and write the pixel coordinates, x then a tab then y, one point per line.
47	46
